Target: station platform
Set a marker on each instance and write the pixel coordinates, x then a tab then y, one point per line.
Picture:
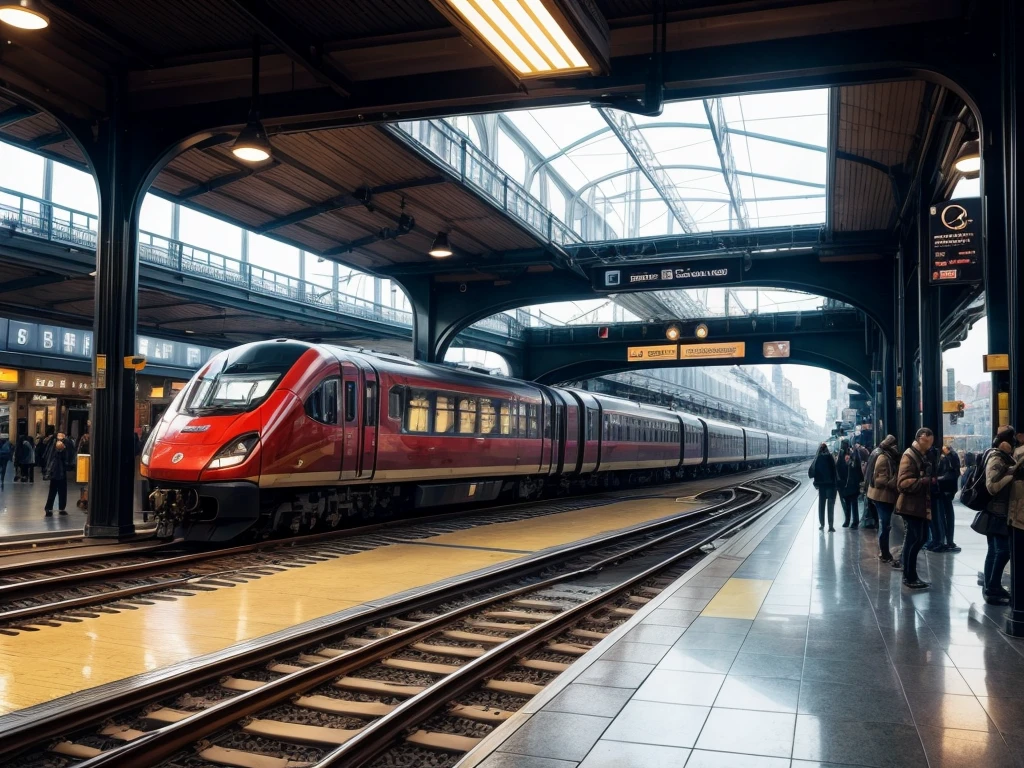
790	648
22	505
164	638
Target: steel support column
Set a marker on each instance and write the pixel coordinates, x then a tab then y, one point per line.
928	331
890	414
112	450
1013	77
908	340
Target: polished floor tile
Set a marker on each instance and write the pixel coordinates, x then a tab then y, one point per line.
622	754
616	674
769	694
507	760
672	687
955	748
832	701
580	699
666	725
880	745
644	653
557	735
697	660
764	665
702	758
748	732
933	678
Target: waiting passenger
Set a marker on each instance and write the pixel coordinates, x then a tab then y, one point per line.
1015	513
1000	470
25	458
914	503
59	461
850	473
948	474
870	517
823	473
6	453
967	469
882	492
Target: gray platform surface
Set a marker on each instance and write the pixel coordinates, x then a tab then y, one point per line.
21	508
841	666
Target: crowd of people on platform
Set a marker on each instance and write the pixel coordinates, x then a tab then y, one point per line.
919	486
54	454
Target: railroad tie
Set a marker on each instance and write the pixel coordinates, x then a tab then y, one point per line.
459	651
447	742
344	706
298	733
238	758
421	666
522	615
480	714
363	685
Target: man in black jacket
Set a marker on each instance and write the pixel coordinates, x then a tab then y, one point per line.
948	474
59	461
823	472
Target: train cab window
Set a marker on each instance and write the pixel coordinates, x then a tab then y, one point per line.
488	416
533	421
505	418
370	405
417	412
350	401
444	415
322	403
467	415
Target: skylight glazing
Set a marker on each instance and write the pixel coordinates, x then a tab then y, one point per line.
740	162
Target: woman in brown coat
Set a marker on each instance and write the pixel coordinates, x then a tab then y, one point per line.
1000	472
914	504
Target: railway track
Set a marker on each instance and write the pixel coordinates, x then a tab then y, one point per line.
45	592
379	688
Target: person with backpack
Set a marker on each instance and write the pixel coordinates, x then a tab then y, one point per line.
850	473
1000	469
823	474
6	453
914	503
882	491
967	470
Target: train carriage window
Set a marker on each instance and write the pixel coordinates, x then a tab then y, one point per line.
467	415
533	424
417	412
505	417
350	401
590	425
488	416
522	420
444	415
370	406
322	403
395	397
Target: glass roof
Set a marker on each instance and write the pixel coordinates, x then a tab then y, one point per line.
741	162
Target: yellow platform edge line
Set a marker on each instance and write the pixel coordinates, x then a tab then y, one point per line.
738	599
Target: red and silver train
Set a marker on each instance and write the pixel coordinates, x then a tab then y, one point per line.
281	436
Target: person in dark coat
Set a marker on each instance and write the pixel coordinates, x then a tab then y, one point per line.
850	473
25	458
60	459
6	454
870	517
914	503
948	473
969	466
1000	468
823	474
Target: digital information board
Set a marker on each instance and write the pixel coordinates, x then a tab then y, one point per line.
956	245
624	278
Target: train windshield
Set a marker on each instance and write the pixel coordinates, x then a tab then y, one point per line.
230	393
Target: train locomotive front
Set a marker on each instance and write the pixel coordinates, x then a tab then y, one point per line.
204	459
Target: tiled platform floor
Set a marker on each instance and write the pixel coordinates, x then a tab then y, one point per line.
834	665
21	508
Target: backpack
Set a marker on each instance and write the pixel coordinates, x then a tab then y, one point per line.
974	494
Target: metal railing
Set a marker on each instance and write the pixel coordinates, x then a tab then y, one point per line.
46	220
452	149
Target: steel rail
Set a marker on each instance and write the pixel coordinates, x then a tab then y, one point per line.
25	733
164	742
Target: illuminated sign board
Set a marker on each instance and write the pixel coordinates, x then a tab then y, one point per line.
775	349
58	383
625	278
995	363
660	352
956	244
717	351
76	343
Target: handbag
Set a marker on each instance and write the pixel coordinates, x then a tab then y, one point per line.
988	524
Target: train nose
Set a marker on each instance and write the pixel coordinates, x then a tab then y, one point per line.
179	461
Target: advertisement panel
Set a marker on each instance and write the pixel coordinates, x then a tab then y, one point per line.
660	352
716	351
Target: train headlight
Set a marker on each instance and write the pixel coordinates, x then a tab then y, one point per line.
234	452
147	448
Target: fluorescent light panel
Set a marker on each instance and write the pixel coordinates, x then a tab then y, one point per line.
523	33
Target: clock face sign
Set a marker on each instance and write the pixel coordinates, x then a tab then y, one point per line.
956	244
955	217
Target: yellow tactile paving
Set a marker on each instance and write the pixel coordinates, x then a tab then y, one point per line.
55	661
552	530
738	599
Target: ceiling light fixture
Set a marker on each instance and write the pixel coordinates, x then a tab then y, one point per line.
24	14
701	331
252	144
440	248
672	333
968	159
534	38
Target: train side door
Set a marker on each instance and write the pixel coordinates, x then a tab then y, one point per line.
352	397
371	415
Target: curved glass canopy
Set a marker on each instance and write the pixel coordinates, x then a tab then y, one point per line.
741	162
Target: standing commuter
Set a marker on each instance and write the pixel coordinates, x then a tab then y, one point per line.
25	458
967	469
42	451
935	532
914	503
6	453
849	473
882	492
1000	470
948	474
823	472
870	518
59	459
